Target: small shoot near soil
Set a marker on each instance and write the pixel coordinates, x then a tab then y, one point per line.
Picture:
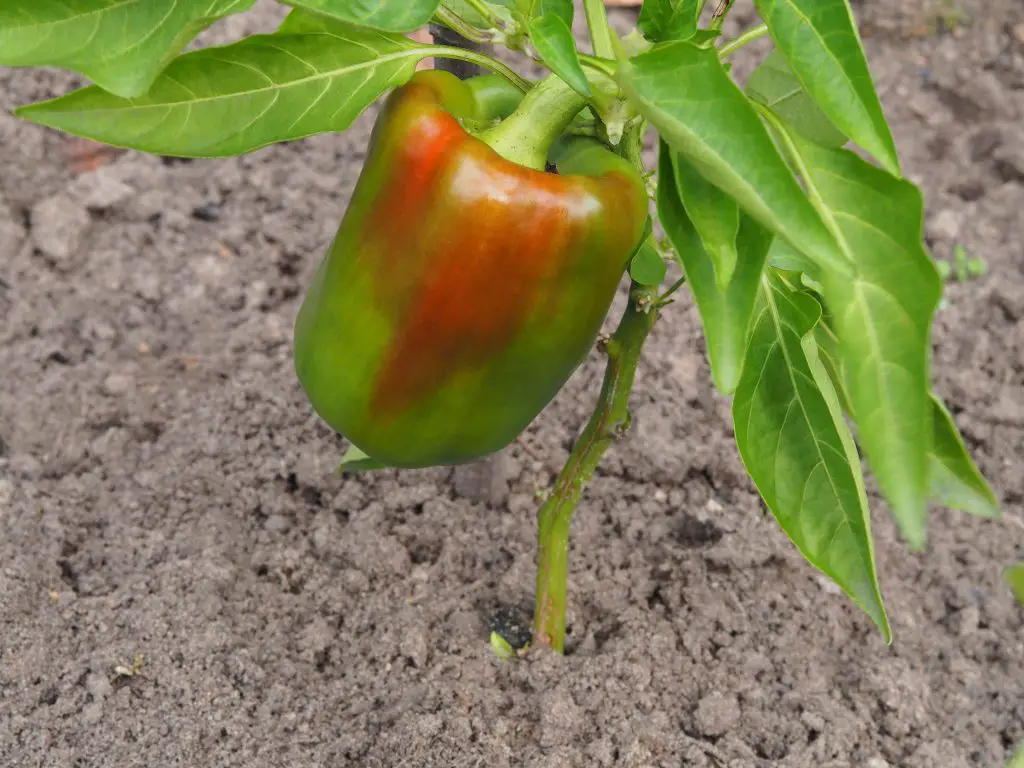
951	15
509	638
804	257
964	267
1017	761
355	460
501	647
1014	576
126	670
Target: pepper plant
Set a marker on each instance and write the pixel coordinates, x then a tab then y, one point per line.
496	216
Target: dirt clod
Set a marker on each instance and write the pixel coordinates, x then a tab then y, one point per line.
59	225
717	714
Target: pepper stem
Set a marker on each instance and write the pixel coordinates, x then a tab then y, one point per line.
542	117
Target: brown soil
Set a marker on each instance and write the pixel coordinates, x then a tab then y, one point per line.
166	491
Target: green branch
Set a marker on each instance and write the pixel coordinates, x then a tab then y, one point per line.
604	66
486	13
608	423
456	23
720	13
482	60
600	32
752	34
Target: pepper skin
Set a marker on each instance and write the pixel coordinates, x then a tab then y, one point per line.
462	289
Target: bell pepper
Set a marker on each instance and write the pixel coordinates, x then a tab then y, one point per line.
466	283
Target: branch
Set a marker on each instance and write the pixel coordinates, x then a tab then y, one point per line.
752	34
600	32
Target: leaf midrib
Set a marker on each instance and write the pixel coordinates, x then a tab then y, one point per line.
275	87
860	106
777	322
95	12
739	178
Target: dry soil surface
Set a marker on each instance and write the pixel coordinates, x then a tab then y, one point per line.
167	503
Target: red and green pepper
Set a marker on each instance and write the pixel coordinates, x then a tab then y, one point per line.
466	283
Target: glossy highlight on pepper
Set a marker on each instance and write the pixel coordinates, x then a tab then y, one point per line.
462	289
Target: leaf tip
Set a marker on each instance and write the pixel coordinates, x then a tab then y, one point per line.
884	151
887	633
882	622
911	512
874	606
726	381
356	460
24	111
37	114
916	538
989	509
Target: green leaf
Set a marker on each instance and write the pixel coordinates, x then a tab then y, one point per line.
355	460
798	450
882	318
387	15
1014	575
302	22
501	647
684	91
787	258
240	97
724	314
647	267
820	42
121	45
703	37
953	478
662	20
774	85
715	216
550	30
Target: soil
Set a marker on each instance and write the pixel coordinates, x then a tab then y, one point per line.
184	582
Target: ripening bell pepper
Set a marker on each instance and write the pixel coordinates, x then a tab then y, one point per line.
466	282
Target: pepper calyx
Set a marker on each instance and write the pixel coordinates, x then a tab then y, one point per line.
527	135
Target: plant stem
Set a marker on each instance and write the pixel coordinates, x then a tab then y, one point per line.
485	12
720	13
605	66
633	144
752	34
457	24
600	32
608	423
482	60
666	297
